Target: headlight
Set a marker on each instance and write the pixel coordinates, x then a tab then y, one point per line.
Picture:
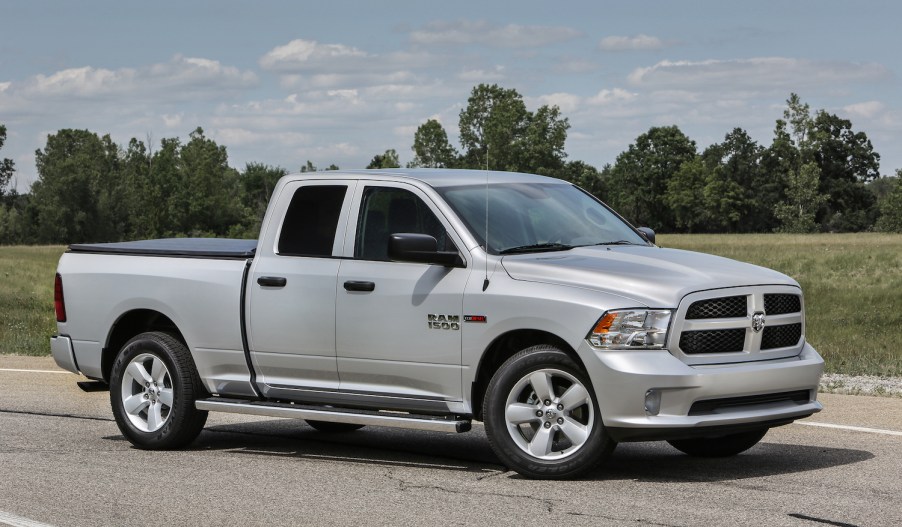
621	329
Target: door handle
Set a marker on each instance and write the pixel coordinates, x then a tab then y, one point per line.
352	285
272	281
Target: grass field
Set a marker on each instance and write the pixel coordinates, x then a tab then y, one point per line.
26	299
852	284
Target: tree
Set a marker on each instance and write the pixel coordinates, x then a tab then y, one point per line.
209	187
891	206
803	200
686	196
847	161
637	183
257	183
431	147
74	189
309	167
387	160
492	127
543	141
7	167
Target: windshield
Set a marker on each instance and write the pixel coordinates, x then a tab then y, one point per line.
532	217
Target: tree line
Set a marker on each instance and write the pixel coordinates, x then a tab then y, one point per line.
817	175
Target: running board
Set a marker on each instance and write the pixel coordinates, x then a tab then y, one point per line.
335	415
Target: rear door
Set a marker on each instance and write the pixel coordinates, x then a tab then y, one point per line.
292	286
398	323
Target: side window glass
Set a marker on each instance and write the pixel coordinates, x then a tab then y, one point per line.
385	211
311	221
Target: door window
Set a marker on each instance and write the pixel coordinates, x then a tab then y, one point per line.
311	221
385	211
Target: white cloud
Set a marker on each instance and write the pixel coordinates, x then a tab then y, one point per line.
302	54
567	102
172	121
616	95
181	77
465	32
635	43
480	75
867	110
756	73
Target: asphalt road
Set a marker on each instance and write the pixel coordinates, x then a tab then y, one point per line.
63	462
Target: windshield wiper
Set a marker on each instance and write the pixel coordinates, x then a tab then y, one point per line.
618	242
537	247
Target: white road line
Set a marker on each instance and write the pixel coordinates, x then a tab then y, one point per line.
852	428
18	521
35	371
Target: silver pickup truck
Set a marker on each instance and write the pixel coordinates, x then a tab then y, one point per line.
428	299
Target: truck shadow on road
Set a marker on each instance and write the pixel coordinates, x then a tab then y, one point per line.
470	452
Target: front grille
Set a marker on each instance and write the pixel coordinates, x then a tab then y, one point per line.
781	336
780	304
712	406
725	307
712	341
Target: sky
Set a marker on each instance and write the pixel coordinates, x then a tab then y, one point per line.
283	82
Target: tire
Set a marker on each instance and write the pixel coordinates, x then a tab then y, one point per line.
153	386
567	438
725	446
334	428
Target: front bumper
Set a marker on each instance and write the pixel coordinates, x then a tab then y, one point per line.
623	378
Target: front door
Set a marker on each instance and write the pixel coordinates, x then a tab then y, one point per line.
398	324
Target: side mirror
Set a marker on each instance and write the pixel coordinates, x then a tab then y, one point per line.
647	233
420	248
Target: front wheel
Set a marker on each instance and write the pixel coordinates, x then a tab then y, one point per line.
541	416
725	446
153	386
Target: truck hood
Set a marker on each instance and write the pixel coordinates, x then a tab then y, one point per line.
651	276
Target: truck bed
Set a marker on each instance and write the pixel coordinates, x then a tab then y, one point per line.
174	247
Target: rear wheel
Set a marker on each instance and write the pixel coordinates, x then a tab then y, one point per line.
724	446
541	416
153	386
328	426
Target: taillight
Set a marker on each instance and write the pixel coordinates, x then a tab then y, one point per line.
58	302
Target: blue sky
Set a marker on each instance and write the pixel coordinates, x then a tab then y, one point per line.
338	82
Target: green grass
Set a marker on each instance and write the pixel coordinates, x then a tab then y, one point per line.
852	284
26	299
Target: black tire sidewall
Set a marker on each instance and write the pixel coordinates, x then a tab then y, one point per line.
182	421
597	447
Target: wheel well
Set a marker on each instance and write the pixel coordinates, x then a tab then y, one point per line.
505	347
129	325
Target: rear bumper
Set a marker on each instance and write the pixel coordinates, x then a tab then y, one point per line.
622	379
63	354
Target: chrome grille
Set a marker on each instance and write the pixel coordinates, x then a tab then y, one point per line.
726	307
717	326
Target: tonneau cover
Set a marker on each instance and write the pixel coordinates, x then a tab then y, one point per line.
178	247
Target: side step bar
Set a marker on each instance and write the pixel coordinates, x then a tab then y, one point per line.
334	415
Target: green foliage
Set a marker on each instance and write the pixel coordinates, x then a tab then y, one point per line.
387	160
637	183
498	132
891	206
7	167
796	214
431	147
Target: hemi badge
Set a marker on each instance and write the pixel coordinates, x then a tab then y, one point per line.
475	318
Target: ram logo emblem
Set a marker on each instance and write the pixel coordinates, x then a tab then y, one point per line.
451	322
758	321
